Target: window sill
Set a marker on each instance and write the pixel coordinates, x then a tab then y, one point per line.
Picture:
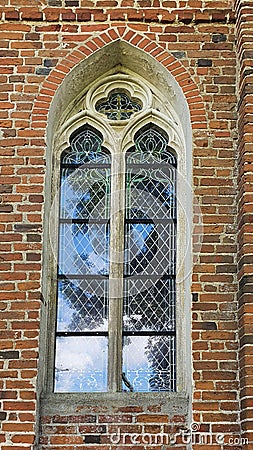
171	403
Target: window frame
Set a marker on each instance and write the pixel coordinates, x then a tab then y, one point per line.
112	141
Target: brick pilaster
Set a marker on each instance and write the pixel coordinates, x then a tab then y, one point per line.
244	14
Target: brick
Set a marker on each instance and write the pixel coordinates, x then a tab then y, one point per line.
197	47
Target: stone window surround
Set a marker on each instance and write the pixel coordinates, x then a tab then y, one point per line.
114	133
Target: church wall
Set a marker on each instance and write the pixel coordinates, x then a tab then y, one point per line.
40	43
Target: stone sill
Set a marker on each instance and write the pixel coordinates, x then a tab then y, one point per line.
172	404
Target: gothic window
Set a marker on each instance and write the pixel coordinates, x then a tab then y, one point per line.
116	280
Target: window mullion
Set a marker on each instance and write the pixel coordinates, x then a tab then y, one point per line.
116	273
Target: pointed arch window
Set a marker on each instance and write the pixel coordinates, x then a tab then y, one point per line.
116	292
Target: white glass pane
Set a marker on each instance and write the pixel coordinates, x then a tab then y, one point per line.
149	363
81	364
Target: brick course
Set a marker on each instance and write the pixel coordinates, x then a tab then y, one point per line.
195	41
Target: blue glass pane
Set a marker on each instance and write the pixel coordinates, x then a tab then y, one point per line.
84	249
81	364
85	193
82	305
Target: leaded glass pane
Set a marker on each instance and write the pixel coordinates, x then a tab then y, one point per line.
151	146
83	268
118	106
150	263
85	147
81	364
150	248
84	249
149	363
149	304
85	193
82	305
150	192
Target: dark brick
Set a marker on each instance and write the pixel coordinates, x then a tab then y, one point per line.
179	55
6	188
92	439
72	3
6	208
50	62
33	238
247	72
32	36
3	415
9	355
42	71
17	79
219	37
208	326
26	227
247	339
12	15
204	63
226	268
55	3
33	257
195	296
36	198
8	53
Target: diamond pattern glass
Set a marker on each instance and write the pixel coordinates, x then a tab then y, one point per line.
118	106
150	249
149	305
83	249
82	305
149	363
151	192
83	267
85	193
150	264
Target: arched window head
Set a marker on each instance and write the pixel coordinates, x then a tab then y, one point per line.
116	265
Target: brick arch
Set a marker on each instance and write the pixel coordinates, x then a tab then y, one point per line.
53	81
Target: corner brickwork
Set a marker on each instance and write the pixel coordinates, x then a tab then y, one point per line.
194	40
244	11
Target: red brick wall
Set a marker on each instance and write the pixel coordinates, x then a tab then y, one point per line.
34	41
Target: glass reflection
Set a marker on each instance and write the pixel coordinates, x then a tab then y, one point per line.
149	362
81	364
82	305
150	263
84	249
